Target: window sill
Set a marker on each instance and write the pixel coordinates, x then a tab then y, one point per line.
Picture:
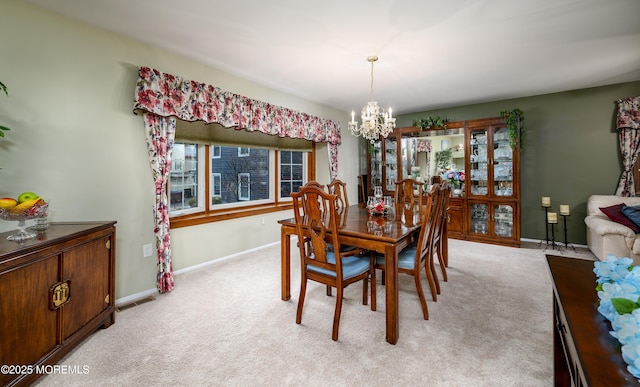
226	214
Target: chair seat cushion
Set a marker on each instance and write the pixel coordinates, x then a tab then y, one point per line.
351	266
406	258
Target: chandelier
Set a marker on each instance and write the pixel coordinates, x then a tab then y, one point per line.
375	122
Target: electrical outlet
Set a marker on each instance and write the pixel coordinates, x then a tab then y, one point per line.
262	221
147	250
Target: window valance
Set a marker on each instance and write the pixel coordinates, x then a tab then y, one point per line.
628	113
169	95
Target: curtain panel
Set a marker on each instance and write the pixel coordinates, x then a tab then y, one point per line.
628	123
163	98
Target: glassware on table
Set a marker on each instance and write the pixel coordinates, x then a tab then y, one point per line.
377	192
34	212
42	223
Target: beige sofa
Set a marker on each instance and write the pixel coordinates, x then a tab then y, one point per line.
604	236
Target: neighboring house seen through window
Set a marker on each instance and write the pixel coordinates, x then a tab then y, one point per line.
235	177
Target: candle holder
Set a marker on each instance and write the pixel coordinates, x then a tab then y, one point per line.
553	243
564	221
546	226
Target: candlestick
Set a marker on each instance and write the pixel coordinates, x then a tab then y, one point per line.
546	201
564	209
552	217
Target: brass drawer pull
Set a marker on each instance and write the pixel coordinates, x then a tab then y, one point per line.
59	294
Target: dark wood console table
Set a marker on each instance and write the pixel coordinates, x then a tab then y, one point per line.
585	354
55	291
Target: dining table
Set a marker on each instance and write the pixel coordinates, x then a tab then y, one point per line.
387	235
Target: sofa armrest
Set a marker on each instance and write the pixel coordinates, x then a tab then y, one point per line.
604	226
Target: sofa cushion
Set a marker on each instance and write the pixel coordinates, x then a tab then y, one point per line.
615	213
633	213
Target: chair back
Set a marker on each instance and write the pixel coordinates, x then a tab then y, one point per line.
408	197
316	225
426	239
339	188
443	211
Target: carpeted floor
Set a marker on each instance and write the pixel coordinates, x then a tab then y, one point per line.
225	325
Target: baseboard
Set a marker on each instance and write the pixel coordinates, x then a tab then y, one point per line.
538	241
150	292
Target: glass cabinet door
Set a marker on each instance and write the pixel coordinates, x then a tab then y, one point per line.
503	216
502	163
480	218
479	162
391	164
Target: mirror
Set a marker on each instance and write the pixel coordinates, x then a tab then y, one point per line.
432	152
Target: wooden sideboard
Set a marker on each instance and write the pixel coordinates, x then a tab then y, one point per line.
585	354
55	290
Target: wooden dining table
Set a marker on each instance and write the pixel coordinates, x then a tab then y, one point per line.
386	235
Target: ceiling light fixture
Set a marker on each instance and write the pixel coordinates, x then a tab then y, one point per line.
375	122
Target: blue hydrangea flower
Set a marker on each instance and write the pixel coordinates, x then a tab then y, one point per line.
626	328
631	355
612	269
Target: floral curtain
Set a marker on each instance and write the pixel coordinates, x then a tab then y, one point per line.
160	132
163	98
628	123
424	145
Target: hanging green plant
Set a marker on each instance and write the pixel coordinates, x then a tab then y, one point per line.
443	159
430	122
3	128
514	120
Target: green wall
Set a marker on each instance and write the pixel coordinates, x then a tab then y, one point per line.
571	151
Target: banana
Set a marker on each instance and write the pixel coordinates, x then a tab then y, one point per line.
25	205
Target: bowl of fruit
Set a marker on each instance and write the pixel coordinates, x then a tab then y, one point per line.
27	206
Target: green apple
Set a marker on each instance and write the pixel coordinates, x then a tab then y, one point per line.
23	197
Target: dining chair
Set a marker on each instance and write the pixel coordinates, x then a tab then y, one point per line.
316	223
408	196
439	234
413	258
339	188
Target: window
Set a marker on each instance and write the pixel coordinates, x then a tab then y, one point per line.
239	181
292	172
244	189
183	178
215	152
216	187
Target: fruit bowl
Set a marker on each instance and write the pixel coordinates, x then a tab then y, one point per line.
36	211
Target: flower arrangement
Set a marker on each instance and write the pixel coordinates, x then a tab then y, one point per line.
619	293
454	177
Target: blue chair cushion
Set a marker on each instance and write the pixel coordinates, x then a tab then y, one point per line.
351	266
406	258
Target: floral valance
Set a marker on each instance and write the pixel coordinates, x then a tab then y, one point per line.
629	113
169	95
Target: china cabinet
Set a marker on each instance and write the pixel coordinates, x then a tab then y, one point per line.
488	207
55	290
493	180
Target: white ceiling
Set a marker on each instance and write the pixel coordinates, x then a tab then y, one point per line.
432	53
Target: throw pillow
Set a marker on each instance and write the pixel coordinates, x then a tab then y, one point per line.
615	213
633	213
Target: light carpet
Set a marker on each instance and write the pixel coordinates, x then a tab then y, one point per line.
225	325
